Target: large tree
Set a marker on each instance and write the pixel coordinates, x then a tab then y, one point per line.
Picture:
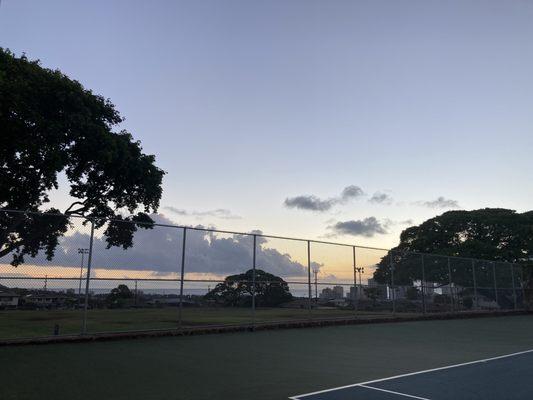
237	290
119	296
490	234
51	124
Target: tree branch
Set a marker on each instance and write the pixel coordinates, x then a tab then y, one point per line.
69	210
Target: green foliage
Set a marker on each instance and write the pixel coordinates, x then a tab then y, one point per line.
236	290
51	124
489	234
412	293
373	293
468	302
119	296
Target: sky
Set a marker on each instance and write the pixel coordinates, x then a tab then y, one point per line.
339	120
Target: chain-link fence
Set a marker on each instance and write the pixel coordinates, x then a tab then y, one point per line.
64	275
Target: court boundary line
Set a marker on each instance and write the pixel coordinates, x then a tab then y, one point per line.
393	392
300	396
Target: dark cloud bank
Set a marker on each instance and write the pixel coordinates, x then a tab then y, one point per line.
159	250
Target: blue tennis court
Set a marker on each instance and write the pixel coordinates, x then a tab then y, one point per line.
503	377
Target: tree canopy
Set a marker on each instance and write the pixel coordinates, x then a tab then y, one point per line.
492	234
119	295
237	290
51	124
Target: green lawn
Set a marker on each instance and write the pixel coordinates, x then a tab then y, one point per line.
252	365
22	323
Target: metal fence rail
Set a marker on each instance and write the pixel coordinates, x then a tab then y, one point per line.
177	277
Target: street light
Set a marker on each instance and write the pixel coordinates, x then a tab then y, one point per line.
315	272
81	251
361	271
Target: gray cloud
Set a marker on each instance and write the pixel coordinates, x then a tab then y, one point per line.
309	202
314	203
176	210
158	250
220	213
351	192
367	227
440	202
380	198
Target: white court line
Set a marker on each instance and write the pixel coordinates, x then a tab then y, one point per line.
393	392
300	396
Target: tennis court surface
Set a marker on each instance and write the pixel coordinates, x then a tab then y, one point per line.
275	365
502	377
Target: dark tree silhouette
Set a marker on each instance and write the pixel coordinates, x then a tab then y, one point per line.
51	124
373	294
491	234
119	295
236	290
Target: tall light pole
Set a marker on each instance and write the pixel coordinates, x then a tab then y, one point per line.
361	271
81	251
315	272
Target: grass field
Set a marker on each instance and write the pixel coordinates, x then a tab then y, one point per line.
252	365
21	323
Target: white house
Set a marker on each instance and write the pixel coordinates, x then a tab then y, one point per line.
52	299
9	300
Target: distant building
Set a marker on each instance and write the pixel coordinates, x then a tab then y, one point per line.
372	282
9	300
338	292
330	294
356	292
48	299
429	288
450	290
326	294
397	293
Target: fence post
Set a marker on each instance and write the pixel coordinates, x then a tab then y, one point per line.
309	276
495	284
514	288
182	273
393	290
81	251
253	279
87	282
355	289
523	286
422	285
136	292
475	283
452	296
